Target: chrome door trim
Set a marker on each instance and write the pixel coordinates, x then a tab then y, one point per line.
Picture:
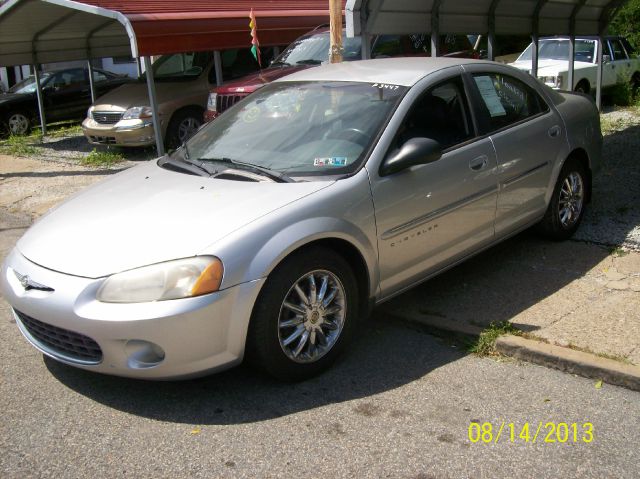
523	175
420	220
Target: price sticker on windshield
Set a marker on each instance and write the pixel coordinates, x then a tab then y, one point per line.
333	161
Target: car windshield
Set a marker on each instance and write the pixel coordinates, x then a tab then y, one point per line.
300	128
28	85
180	66
559	50
314	49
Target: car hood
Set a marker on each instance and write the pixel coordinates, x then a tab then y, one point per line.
551	67
136	94
11	97
147	215
250	83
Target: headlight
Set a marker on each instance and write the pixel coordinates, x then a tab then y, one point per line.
137	112
181	278
211	102
553	81
90	112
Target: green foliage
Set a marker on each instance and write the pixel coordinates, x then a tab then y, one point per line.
101	158
626	22
18	145
485	346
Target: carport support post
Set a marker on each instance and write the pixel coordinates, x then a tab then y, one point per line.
572	56
217	64
92	86
534	56
600	47
43	121
151	86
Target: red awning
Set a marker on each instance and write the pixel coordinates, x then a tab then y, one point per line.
170	26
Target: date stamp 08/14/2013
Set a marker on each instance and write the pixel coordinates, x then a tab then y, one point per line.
540	432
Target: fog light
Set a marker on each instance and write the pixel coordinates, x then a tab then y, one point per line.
143	354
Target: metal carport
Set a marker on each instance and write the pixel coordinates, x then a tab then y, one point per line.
46	31
491	17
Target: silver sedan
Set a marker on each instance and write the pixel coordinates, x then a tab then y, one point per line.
280	224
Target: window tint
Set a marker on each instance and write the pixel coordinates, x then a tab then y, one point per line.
617	50
506	100
440	114
68	78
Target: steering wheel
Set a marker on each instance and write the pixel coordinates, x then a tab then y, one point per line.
352	134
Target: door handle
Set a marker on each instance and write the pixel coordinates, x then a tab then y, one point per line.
554	131
479	163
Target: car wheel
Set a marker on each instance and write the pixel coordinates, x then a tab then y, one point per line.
566	208
18	123
182	126
582	87
304	316
635	84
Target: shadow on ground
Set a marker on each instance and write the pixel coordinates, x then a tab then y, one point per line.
386	355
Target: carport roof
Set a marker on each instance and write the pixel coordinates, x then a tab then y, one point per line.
44	31
547	17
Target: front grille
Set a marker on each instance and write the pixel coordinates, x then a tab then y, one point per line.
107	117
61	342
105	140
223	102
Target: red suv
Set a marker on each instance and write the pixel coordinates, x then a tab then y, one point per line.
312	49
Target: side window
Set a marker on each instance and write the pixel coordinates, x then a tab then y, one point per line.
99	76
617	50
440	114
506	100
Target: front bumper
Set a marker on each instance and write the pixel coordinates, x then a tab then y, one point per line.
158	340
123	133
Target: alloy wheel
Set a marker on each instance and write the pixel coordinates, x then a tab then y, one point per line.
571	199
18	124
312	316
187	128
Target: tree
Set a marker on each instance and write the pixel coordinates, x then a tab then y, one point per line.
626	22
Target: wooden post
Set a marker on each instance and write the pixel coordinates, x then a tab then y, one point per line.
335	24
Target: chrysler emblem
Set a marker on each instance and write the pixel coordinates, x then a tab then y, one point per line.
27	283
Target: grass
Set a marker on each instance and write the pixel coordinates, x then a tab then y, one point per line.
486	343
101	158
17	145
618	252
61	131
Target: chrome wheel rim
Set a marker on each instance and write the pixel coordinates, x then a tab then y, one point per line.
312	316
187	128
18	124
571	199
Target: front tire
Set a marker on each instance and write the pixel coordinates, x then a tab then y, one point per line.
18	123
567	204
304	316
182	126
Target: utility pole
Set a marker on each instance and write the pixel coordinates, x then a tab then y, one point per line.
335	25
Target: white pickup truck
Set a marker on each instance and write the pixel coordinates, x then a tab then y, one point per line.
621	63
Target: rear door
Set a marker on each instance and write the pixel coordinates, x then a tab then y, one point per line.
430	215
527	136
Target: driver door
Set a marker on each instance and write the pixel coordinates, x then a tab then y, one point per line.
430	215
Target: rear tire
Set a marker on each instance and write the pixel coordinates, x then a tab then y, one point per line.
304	316
567	204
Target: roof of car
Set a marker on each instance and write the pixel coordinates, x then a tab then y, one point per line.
396	71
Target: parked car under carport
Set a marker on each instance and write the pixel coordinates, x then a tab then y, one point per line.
66	96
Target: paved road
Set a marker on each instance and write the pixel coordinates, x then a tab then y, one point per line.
399	405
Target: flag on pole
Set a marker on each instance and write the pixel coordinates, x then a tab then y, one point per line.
255	44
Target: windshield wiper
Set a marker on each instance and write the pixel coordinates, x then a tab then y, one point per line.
260	170
280	63
310	61
189	166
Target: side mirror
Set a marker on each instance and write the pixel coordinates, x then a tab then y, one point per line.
606	58
415	151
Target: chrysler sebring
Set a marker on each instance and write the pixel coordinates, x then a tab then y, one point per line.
277	226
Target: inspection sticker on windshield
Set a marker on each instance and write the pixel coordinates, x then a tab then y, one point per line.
333	161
